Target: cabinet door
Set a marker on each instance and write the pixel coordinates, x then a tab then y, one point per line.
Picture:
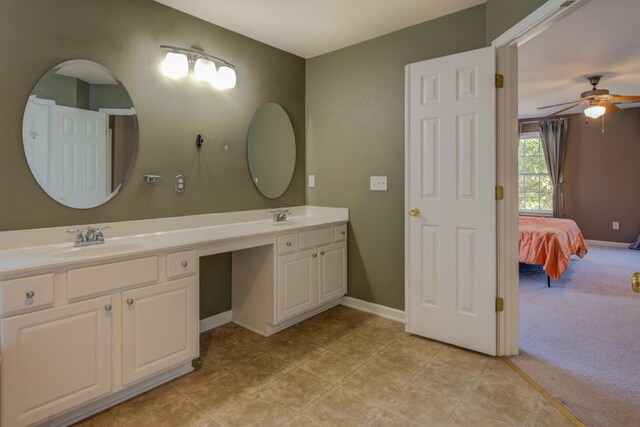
159	328
297	284
55	359
332	271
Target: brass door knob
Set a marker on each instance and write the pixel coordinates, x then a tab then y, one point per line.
635	282
414	212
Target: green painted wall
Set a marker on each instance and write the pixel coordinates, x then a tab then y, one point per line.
503	14
125	36
355	128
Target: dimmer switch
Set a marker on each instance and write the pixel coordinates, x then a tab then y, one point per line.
180	184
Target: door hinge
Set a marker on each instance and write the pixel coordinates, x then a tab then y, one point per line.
499	80
499	305
499	192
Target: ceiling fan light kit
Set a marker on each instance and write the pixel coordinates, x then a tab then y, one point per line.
598	101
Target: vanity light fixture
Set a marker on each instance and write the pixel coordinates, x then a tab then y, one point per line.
177	60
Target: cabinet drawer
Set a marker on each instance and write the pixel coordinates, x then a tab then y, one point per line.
287	243
27	293
109	277
312	238
181	264
340	233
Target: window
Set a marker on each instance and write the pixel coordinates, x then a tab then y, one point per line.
535	191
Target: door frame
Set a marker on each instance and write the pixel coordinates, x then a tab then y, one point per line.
508	334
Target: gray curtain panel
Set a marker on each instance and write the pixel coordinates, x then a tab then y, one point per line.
554	142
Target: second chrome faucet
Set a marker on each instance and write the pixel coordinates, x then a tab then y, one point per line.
92	236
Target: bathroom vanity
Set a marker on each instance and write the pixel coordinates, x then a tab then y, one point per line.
84	328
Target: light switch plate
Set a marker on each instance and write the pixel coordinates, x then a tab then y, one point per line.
378	183
312	181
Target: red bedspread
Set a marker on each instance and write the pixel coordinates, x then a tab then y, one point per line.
550	242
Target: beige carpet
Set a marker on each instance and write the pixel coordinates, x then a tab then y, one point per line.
580	339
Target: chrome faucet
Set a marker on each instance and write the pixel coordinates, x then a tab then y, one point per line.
92	236
280	215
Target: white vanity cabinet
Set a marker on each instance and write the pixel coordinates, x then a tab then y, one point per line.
159	328
107	331
309	278
56	359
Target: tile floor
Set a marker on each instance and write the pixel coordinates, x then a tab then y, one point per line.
343	367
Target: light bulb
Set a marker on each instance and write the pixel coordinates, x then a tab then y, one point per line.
595	111
175	65
205	70
225	78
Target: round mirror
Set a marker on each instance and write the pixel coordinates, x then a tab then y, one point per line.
80	134
271	150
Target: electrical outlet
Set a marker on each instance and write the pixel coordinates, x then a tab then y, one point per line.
378	183
312	181
180	184
616	225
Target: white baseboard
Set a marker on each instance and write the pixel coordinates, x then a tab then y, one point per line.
215	321
603	243
377	309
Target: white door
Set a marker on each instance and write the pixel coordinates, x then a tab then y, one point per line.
56	359
332	271
77	167
160	328
297	284
35	137
450	191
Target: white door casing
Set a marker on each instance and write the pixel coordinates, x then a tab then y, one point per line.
450	178
55	359
77	162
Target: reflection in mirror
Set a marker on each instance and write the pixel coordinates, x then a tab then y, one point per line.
80	134
271	150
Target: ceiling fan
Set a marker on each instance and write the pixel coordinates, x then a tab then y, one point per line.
599	101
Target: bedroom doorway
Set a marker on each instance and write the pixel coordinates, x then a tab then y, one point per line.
577	333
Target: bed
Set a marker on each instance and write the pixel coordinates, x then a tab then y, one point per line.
550	243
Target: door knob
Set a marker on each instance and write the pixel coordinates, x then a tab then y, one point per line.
414	212
635	282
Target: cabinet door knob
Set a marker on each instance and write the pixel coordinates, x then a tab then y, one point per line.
321	252
107	307
343	232
30	294
184	264
314	255
129	301
288	243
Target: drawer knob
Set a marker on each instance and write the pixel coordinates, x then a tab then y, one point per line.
30	294
321	252
314	255
184	264
130	301
288	243
107	307
343	232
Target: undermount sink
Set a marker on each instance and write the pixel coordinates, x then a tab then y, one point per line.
102	249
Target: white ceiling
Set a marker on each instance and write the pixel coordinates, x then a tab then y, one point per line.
602	37
87	72
308	28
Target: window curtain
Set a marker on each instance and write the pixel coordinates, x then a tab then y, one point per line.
553	134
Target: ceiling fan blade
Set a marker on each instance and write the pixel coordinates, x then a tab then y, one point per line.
566	108
625	98
611	108
558	105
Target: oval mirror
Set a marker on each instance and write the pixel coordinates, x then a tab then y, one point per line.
271	150
80	134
